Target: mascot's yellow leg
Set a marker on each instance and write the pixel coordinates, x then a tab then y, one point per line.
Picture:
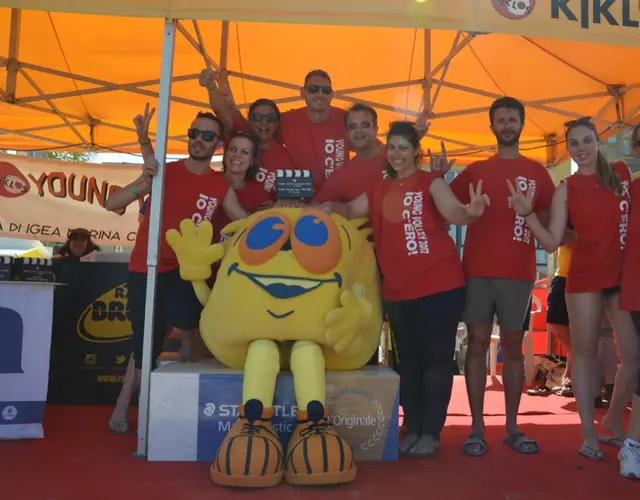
251	454
316	454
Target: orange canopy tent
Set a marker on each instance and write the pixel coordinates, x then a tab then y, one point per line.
74	81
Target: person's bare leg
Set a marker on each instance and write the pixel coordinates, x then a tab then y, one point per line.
609	358
475	372
512	376
585	313
563	334
627	376
129	387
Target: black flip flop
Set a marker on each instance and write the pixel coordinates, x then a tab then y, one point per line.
474	440
517	440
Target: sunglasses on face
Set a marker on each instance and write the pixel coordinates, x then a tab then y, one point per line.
269	117
207	135
314	89
585	120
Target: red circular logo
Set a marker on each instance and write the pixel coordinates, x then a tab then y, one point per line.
12	182
514	9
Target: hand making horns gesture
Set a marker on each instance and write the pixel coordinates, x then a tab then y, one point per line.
440	163
523	205
477	201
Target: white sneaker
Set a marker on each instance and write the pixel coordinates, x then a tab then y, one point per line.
629	457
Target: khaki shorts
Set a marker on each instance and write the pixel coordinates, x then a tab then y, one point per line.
507	299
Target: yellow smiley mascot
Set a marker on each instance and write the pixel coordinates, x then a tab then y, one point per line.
298	289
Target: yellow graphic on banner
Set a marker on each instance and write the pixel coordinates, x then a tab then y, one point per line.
105	320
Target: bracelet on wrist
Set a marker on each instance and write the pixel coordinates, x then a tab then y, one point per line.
212	88
144	143
524	216
134	191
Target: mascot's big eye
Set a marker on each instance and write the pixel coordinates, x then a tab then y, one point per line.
316	242
264	238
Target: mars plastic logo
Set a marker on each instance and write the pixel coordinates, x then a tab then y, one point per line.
514	9
12	182
106	319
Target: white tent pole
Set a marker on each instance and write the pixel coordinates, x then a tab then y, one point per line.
168	44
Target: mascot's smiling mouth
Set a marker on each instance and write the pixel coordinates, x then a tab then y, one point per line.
284	287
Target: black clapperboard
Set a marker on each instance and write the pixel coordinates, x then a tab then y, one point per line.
6	264
32	269
294	185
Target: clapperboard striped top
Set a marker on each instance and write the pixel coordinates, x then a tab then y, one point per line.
293	173
5	260
32	261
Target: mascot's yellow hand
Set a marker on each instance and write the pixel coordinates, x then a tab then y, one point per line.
194	250
345	324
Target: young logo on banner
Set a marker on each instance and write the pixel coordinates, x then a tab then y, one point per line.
43	199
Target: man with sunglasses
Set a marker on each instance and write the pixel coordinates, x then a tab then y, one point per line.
192	190
315	135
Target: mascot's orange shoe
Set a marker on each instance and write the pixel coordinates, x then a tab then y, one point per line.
251	454
316	454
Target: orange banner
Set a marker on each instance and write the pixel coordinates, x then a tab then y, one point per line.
43	199
598	21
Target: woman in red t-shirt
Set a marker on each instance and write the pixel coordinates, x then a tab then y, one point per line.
240	164
597	200
423	284
630	301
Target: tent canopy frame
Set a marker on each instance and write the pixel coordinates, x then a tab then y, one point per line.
431	84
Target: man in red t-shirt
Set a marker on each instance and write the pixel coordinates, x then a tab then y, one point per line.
366	167
499	260
315	135
192	191
360	172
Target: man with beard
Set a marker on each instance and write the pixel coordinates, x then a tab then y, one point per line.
500	265
192	190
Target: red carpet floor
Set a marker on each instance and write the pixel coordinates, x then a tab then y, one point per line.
79	459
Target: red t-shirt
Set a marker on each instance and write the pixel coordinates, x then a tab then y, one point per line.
186	196
275	158
319	147
350	181
416	255
250	196
499	244
601	222
630	293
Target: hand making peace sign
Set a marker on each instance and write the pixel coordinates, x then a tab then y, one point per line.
477	201
142	123
440	163
523	205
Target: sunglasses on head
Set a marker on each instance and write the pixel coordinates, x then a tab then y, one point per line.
584	120
269	117
207	135
314	89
